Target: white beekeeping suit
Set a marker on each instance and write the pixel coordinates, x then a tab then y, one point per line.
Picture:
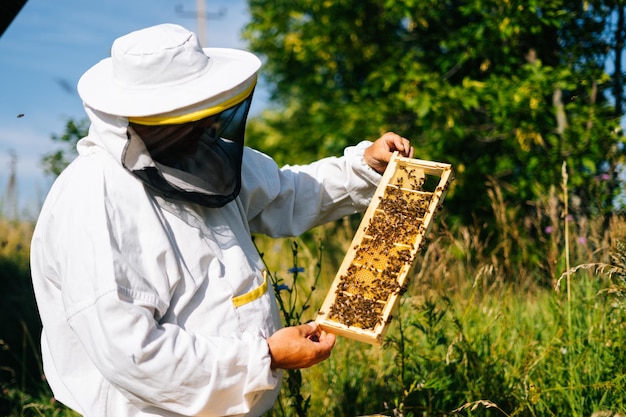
151	293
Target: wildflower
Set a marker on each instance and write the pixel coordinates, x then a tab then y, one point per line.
549	230
582	240
281	287
295	270
605	177
563	351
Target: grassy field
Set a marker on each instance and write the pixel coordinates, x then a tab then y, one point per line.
522	317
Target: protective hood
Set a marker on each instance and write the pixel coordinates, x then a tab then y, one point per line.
197	162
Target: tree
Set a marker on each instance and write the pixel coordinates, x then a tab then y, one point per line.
55	162
505	90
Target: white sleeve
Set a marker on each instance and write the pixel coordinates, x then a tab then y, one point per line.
293	199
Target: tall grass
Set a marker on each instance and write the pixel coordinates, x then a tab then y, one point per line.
23	391
521	317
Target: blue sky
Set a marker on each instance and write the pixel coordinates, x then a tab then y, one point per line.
46	49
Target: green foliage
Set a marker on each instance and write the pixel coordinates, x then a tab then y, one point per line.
473	354
515	354
20	359
24	404
504	90
55	162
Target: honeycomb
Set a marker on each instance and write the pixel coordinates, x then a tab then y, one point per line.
373	274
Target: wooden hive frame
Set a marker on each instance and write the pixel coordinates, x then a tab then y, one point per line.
373	275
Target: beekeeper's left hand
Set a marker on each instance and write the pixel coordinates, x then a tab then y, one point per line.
377	156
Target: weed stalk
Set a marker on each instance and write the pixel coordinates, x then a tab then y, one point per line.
570	328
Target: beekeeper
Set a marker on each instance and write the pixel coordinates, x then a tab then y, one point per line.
152	295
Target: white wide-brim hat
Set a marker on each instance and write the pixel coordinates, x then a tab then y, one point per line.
162	69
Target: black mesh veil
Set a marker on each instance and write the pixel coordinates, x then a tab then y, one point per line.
198	162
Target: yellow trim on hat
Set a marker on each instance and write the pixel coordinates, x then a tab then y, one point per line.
195	115
252	295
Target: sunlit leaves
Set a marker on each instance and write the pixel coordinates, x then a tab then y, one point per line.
507	89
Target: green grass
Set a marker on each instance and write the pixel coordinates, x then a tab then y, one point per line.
508	348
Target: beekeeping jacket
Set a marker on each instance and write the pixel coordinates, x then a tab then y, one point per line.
153	306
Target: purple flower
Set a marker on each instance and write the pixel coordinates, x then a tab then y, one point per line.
549	230
281	287
295	270
605	177
582	240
